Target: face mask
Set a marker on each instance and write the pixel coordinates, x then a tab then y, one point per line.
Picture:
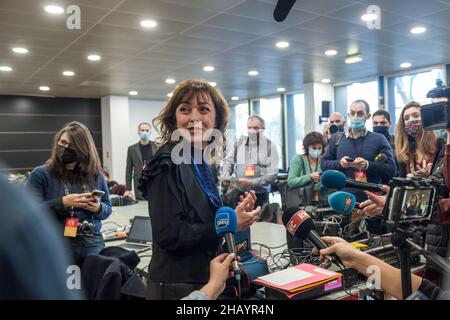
358	124
413	128
341	128
145	136
384	130
66	155
315	153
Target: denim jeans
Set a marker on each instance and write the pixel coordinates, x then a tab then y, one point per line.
85	246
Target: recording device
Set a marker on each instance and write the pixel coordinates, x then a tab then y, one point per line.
85	228
343	202
226	226
97	193
409	200
300	225
436	115
333	179
282	9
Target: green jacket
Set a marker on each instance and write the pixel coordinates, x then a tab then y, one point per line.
299	173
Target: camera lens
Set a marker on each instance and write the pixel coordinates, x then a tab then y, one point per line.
333	129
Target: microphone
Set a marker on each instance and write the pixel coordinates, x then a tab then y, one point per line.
226	226
299	224
282	9
343	202
333	179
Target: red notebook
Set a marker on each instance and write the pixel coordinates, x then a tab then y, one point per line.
299	278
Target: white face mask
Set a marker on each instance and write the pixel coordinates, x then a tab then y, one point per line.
315	153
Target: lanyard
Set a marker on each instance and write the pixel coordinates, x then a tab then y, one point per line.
67	192
207	185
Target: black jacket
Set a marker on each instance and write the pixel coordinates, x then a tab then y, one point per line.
184	236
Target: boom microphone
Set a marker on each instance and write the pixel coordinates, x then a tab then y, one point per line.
299	224
226	226
282	9
343	202
333	179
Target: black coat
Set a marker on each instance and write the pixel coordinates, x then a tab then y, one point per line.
184	236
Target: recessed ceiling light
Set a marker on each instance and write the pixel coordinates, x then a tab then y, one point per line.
208	68
94	57
331	52
170	81
253	73
212	83
354	58
44	88
281	89
20	50
235	98
170	94
282	44
405	65
53	9
418	30
5	68
148	23
68	73
326	81
369	17
133	93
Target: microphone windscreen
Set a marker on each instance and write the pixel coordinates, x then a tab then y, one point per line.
342	202
298	223
282	9
226	221
333	179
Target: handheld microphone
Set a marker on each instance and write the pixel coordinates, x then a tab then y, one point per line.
226	226
282	9
299	224
333	179
343	202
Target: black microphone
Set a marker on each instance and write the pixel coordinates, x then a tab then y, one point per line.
333	179
282	9
299	224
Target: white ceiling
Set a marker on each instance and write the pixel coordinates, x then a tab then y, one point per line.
233	35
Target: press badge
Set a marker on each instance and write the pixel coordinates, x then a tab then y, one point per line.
360	176
70	230
250	170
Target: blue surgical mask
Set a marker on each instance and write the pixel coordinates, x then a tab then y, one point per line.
145	136
358	124
315	153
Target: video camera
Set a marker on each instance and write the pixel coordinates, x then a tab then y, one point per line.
437	115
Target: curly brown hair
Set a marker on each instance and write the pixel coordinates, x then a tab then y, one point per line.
311	139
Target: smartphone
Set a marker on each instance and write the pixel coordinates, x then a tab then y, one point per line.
97	193
349	159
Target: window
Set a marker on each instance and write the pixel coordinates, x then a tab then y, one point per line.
411	87
295	124
240	119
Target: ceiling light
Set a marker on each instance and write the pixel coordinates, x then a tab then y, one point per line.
331	52
326	81
208	68
5	68
253	73
281	89
369	17
405	65
235	98
418	30
282	44
54	9
170	81
68	73
148	23
94	57
44	88
20	50
212	84
170	94
133	93
354	58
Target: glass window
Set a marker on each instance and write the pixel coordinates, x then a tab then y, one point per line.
240	121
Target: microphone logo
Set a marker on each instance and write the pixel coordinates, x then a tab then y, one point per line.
348	203
296	220
222	222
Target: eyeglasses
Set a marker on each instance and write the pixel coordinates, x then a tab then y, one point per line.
63	143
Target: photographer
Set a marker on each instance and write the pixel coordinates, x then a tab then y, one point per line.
391	281
65	184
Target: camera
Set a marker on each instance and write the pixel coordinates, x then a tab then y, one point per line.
335	129
410	200
85	228
436	115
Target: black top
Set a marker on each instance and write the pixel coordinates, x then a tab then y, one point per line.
146	152
184	236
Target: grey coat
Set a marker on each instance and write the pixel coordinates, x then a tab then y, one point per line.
134	167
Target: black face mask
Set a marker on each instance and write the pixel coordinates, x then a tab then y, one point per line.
382	130
66	155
